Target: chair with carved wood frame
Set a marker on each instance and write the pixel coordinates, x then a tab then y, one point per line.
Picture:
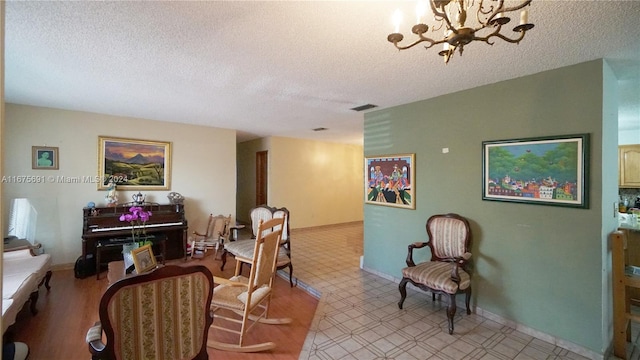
447	273
138	314
242	250
216	235
246	301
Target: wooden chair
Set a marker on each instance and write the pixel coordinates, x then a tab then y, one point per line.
217	233
163	314
245	301
243	249
446	273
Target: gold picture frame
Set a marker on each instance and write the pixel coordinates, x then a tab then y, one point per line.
143	259
134	164
44	158
390	180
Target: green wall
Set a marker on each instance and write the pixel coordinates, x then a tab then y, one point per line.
540	266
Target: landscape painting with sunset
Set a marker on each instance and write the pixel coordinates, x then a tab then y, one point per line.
132	164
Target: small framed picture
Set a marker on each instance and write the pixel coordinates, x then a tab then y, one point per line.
44	158
143	259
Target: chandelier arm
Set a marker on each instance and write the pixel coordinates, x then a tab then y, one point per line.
517	7
421	40
493	12
443	16
497	34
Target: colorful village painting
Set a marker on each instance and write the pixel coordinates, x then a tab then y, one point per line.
535	171
389	180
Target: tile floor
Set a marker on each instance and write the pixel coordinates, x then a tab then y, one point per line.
358	315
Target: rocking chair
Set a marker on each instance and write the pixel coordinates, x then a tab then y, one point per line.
249	298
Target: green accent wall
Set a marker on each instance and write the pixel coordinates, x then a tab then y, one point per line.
538	265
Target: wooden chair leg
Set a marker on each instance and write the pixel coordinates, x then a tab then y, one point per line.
467	299
224	259
451	311
291	275
403	291
33	298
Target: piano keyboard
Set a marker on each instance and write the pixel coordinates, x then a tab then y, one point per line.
131	227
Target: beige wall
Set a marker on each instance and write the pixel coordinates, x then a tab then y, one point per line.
319	182
203	169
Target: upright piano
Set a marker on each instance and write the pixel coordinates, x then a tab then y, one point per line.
103	224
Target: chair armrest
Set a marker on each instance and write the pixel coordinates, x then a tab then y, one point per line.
415	245
195	233
459	262
94	338
223	281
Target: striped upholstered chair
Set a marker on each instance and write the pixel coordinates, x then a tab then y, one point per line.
163	314
447	272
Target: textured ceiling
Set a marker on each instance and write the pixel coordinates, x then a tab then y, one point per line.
282	68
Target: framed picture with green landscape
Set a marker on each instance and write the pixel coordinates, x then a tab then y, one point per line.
549	170
133	164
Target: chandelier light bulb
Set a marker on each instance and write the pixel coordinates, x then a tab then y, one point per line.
421	10
524	16
397	20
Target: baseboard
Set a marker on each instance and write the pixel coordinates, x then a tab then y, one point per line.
332	226
510	323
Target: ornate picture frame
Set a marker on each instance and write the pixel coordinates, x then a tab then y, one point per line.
133	164
143	259
390	180
551	170
44	158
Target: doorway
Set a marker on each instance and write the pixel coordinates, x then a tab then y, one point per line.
261	177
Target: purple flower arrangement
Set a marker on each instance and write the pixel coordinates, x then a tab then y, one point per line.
137	217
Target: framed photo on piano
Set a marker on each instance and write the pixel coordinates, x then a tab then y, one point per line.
133	164
143	259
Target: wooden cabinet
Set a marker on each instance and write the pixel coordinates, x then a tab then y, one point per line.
629	166
624	283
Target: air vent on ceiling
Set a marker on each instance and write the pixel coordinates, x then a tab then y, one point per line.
320	129
364	107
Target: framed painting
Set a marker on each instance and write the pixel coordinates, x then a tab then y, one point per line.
44	158
390	180
549	170
133	164
143	259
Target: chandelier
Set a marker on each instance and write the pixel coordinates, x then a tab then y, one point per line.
450	17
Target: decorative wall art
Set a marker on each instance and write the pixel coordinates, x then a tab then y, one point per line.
44	158
390	180
134	164
549	170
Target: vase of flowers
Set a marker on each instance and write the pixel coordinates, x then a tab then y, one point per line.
138	218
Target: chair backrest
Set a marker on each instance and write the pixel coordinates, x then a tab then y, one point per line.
265	254
449	236
264	212
220	226
164	314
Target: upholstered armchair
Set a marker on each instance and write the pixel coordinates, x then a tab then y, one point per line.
447	273
163	314
242	250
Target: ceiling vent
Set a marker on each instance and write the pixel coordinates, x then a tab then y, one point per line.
364	107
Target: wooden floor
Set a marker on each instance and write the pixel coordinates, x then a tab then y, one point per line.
71	307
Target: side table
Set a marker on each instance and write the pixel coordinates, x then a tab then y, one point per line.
105	245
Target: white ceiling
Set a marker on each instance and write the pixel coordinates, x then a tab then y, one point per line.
282	68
